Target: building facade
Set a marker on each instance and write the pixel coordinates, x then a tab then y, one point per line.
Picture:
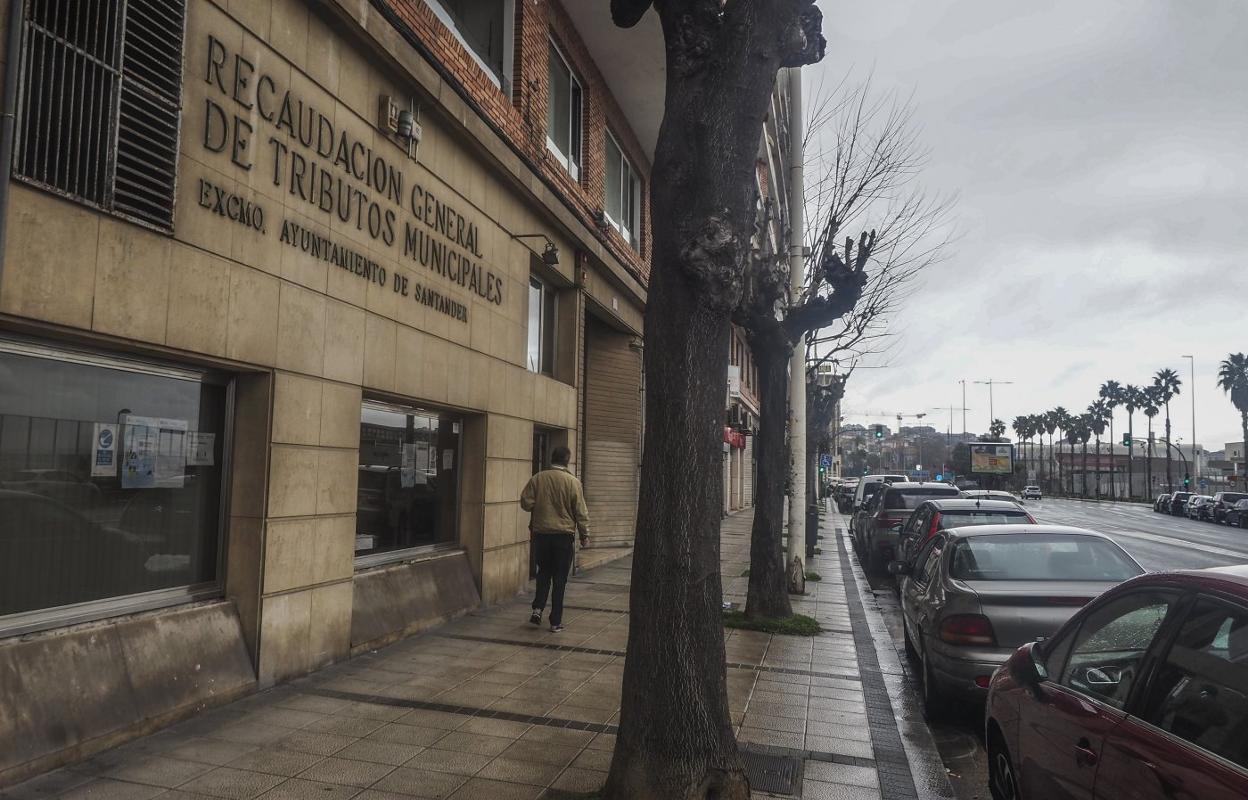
294	298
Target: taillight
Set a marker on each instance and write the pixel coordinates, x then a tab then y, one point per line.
935	526
967	629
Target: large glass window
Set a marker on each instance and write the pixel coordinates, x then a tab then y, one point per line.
623	201
484	27
409	479
110	478
541	330
563	113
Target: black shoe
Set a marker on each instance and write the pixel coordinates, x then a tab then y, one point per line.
536	618
555	628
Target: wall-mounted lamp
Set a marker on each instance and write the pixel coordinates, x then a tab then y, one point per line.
403	124
550	256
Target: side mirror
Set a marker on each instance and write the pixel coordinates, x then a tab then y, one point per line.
899	568
1028	670
897	528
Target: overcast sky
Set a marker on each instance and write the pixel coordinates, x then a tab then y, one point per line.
1100	154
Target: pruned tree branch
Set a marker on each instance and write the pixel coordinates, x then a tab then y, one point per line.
627	13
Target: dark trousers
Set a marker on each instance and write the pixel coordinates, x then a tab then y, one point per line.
554	562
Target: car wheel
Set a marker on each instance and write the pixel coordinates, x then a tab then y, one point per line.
933	700
1002	782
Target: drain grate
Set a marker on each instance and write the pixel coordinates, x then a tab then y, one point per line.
771	773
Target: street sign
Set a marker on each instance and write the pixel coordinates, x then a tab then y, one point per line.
825	460
1204	483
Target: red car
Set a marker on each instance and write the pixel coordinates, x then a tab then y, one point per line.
1143	694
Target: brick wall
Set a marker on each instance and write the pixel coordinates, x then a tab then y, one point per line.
521	115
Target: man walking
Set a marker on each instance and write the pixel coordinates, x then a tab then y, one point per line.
557	506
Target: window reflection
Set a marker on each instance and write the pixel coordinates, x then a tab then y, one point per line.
110	478
408	479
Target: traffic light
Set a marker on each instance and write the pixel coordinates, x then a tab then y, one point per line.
1126	440
879	431
1187	481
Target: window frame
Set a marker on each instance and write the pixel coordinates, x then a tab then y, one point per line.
546	336
572	161
37	620
423	551
506	81
629	179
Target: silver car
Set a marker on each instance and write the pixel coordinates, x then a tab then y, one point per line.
973	595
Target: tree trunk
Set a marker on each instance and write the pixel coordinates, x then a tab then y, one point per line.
675	739
1085	469
1113	463
1130	456
1169	478
1148	462
768	594
1098	466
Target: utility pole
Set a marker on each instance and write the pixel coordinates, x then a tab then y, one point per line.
1191	389
990	383
963	382
797	362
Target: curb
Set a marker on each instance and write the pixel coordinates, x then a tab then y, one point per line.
926	766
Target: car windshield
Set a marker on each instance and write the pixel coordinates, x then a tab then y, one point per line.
1232	498
961	519
870	489
1040	557
1182	495
910	498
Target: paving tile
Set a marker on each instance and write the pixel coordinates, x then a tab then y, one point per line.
815	790
300	789
575	779
249	733
860	747
321	744
475	743
566	737
379	752
286	763
436	760
158	771
210	751
432	719
357	727
347	771
603	741
495	727
235	784
107	789
420	783
482	788
398	733
593	759
541	753
516	771
53	784
828	772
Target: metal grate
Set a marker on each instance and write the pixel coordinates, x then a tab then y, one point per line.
775	774
101	102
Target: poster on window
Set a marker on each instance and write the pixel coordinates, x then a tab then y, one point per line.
104	450
407	469
200	448
171	453
140	443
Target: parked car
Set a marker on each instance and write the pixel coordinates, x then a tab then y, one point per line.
1223	502
1237	515
1162	503
1142	694
1178	503
878	532
867	486
844	495
1200	507
991	494
1031	493
933	516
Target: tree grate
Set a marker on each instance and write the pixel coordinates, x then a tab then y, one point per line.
771	773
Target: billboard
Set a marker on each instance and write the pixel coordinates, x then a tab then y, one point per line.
992	459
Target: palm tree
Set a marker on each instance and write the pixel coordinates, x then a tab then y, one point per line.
1152	407
1022	429
1111	394
1085	433
1168	383
1063	424
1132	398
1098	412
1052	421
1233	379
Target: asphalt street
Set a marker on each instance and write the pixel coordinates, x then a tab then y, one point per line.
1157	541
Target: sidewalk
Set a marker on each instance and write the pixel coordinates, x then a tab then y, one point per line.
490	707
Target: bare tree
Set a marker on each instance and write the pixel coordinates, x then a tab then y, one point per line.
863	159
675	739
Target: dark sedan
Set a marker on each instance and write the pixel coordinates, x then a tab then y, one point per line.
1178	502
1143	694
934	516
1200	507
1223	502
1237	515
1162	503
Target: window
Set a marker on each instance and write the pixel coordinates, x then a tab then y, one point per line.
1110	646
541	333
110	481
408	477
928	561
485	28
623	206
101	89
563	113
1200	692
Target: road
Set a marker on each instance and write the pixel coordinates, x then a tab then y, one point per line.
1157	541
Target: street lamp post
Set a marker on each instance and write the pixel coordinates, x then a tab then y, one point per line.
1191	389
990	383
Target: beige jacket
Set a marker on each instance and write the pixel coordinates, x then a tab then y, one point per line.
557	503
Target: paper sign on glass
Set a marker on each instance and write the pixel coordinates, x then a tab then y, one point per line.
104	450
